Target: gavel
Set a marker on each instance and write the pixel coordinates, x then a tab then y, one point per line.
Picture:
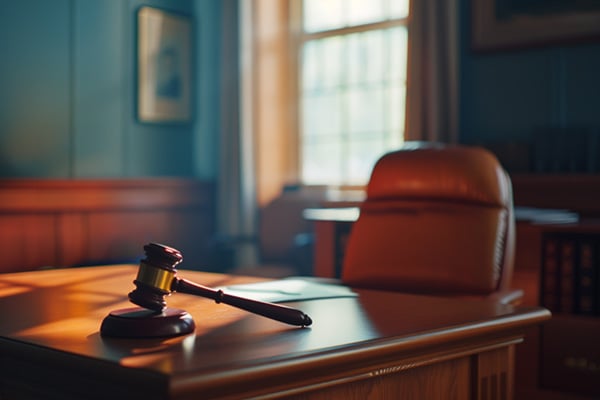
157	278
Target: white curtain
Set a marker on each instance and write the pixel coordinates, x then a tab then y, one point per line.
236	202
433	57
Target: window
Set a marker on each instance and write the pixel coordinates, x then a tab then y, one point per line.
325	89
351	87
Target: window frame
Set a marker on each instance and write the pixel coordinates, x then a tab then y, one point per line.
298	37
270	145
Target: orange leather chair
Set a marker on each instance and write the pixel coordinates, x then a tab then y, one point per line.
438	220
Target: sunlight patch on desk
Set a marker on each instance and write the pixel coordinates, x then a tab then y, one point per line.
94	297
158	361
65	330
7	290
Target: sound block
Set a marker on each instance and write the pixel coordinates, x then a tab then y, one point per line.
137	322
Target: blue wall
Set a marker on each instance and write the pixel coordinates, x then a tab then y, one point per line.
507	94
67	93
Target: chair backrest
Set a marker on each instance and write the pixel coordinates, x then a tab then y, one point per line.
437	219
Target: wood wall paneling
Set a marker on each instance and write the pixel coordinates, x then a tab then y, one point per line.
62	223
27	241
73	233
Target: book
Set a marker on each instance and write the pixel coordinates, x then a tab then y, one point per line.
549	284
566	274
570	276
586	303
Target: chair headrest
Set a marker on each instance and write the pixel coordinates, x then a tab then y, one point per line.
440	172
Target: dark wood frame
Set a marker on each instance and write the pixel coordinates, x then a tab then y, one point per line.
522	30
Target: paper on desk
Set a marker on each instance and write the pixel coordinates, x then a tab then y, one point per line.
546	215
289	289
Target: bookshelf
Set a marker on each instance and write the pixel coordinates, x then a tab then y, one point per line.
558	360
569	283
558	266
569	287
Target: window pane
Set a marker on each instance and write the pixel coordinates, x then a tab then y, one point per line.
310	65
396	105
365	55
322	63
320	15
365	110
398	8
322	160
362	155
364	11
355	56
332	61
353	92
322	114
397	51
375	56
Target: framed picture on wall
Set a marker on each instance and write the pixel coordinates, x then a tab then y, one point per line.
498	24
164	66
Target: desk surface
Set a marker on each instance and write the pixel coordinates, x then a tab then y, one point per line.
52	319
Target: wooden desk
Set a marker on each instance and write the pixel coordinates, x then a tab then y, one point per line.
331	227
376	345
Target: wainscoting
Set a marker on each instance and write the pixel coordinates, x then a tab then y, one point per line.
64	223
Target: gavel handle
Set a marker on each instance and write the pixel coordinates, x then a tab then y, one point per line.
277	312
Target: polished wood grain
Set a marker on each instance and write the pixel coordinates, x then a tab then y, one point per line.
62	222
376	345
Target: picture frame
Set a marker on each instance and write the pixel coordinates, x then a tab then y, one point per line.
501	24
164	66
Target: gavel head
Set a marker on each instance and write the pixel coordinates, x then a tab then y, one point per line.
155	276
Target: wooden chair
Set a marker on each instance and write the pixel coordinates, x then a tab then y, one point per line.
437	219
